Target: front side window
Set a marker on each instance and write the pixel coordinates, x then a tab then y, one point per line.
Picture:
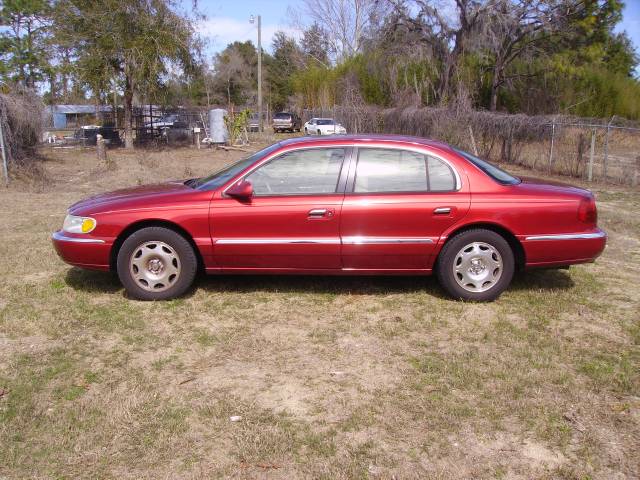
390	170
301	172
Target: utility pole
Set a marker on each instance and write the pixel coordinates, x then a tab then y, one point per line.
260	119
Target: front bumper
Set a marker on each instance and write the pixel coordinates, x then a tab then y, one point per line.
82	251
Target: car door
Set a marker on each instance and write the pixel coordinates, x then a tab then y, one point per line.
292	220
398	204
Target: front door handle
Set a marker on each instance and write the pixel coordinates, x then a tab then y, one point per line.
321	213
442	211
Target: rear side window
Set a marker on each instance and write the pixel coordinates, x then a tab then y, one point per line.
389	170
302	172
494	172
440	176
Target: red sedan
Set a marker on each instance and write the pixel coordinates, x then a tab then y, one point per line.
343	205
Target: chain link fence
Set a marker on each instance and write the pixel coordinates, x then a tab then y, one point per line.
593	149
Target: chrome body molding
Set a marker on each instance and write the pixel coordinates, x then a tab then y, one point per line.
322	241
383	240
567	236
277	241
61	237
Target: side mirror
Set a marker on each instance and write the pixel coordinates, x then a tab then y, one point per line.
242	190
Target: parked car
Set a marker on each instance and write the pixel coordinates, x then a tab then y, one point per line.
88	136
167	121
341	206
286	122
254	122
323	126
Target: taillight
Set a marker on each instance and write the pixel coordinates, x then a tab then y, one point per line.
587	212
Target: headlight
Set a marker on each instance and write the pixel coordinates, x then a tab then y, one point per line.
74	224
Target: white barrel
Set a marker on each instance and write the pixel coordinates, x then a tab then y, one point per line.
217	128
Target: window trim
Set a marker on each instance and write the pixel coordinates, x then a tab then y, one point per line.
342	175
351	182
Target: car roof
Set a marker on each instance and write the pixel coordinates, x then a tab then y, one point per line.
322	118
365	138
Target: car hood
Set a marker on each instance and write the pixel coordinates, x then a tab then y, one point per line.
135	197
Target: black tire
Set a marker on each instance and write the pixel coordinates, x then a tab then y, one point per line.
448	257
180	249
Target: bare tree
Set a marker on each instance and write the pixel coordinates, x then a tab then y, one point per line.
345	22
448	35
517	28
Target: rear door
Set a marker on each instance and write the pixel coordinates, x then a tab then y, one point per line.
398	204
293	219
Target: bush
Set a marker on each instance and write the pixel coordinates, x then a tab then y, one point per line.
21	117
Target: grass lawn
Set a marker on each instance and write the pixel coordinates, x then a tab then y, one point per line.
332	377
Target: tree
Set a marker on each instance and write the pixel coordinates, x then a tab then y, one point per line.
315	45
235	71
344	23
517	28
449	37
138	41
23	40
287	59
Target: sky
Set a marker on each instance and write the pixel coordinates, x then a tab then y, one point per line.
631	23
228	20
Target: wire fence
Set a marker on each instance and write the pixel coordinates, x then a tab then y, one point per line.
593	149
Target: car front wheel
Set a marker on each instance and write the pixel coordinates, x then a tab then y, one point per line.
476	265
156	263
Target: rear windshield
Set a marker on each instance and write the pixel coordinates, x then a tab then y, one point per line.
282	116
221	177
494	172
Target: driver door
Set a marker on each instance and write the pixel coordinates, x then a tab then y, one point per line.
292	220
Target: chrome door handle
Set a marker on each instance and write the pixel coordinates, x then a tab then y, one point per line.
442	211
318	212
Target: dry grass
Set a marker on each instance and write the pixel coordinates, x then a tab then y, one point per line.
333	377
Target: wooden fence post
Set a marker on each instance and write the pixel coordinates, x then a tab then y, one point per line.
553	134
591	153
5	168
473	141
606	150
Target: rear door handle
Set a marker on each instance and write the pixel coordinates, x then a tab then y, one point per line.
442	211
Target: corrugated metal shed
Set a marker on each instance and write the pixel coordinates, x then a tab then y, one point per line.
79	109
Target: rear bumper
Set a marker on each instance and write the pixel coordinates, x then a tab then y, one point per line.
547	250
85	252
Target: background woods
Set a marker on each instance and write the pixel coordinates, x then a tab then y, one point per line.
518	56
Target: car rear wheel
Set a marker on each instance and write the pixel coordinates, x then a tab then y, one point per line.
156	263
476	265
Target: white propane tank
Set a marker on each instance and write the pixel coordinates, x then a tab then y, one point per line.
217	128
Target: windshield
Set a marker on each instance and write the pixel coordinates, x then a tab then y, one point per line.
221	177
494	172
325	122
